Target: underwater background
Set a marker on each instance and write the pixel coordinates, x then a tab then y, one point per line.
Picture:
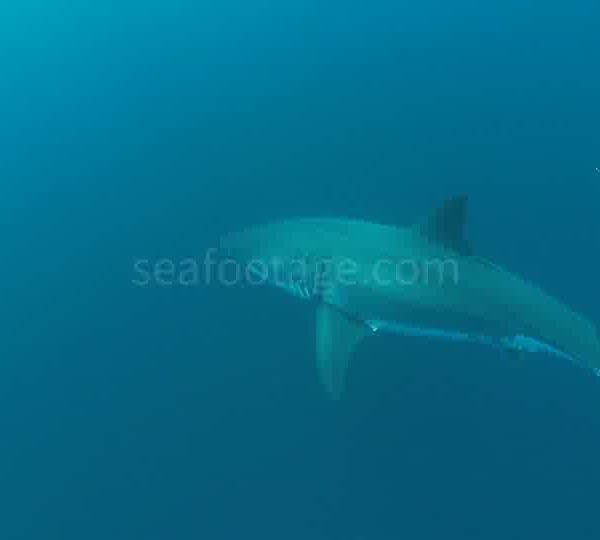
145	131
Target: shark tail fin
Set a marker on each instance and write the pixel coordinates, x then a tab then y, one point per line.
337	336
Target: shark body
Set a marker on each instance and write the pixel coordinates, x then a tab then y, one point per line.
421	281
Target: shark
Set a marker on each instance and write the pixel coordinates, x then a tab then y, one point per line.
421	281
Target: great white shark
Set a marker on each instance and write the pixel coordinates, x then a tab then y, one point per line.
420	281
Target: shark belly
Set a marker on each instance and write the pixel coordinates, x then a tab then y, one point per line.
517	342
382	312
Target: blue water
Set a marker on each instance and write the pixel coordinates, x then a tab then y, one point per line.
176	412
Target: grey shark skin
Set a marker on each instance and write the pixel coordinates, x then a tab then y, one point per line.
364	278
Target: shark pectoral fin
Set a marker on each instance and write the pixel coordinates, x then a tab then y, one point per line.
337	336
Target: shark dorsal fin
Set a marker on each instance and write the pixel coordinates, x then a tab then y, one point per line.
447	225
337	336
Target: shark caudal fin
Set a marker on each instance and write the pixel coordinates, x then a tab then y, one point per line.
337	335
